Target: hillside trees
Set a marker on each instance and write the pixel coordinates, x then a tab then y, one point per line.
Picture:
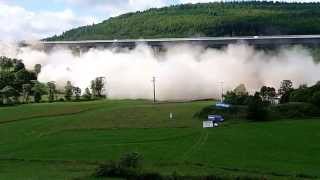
207	19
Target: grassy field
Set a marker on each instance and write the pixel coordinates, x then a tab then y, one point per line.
69	140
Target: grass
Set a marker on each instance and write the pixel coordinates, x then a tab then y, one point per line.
68	140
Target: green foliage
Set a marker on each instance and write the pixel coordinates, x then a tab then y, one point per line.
316	99
209	19
239	96
15	80
18	83
26	91
267	93
98	86
77	93
52	90
285	91
256	109
128	166
7	93
294	110
38	90
68	91
131	160
87	94
234	112
37	69
306	94
109	169
232	98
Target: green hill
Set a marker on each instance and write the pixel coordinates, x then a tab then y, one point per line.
210	19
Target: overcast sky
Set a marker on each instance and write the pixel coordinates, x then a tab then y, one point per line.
35	19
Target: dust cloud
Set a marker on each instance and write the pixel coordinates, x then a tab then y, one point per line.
183	72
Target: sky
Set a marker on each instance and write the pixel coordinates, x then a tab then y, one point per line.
36	19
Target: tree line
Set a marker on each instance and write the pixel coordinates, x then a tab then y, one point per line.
308	99
237	18
19	85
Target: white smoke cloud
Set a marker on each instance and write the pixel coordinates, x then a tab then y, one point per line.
183	72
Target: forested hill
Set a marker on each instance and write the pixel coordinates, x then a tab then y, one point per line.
210	19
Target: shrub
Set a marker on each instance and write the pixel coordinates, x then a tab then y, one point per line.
257	110
37	97
150	176
114	169
131	160
294	110
128	166
234	112
236	99
316	99
108	169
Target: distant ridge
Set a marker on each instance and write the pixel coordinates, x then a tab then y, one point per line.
205	20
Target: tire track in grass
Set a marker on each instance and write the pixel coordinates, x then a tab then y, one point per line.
196	146
58	114
49	116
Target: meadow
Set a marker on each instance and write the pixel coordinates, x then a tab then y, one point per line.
69	140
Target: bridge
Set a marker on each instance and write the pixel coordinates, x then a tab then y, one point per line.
214	42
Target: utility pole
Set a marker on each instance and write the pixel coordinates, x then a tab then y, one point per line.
221	83
154	89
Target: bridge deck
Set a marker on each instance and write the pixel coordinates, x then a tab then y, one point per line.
312	40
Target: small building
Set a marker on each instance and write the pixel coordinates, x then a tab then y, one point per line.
275	100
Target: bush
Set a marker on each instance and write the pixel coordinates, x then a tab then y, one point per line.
37	97
114	169
150	176
257	110
128	166
316	99
236	99
234	112
108	169
294	110
131	160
